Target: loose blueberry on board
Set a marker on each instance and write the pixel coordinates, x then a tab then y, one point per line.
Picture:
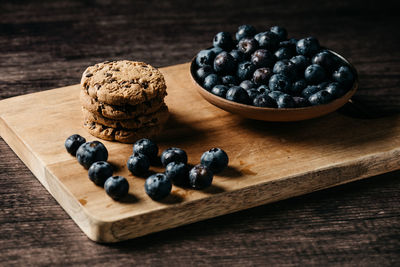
223	40
177	172
280	32
229	79
263	89
99	172
205	57
173	154
200	177
157	186
210	81
325	59
298	87
264	101
262	58
308	46
220	90
238	94
314	74
245	31
285	101
279	82
239	56
320	97
138	164
224	63
215	159
335	89
146	147
344	76
310	90
73	143
285	67
247	46
284	53
116	187
300	102
245	70
247	84
253	93
203	72
90	152
262	76
268	40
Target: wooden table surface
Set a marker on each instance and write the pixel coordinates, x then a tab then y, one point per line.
47	44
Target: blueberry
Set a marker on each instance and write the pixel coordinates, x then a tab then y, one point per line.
268	40
275	95
229	79
263	89
285	101
301	62
335	89
279	82
280	31
138	164
158	186
245	70
245	31
203	72
258	35
210	81
320	97
239	56
238	94
177	172
310	90
90	152
291	43
215	159
247	84
116	187
205	57
285	67
224	63
200	177
262	76
262	58
300	102
324	59
223	40
220	90
217	50
99	172
314	74
147	147
247	46
284	53
264	101
298	87
323	85
344	76
253	93
308	46
173	154
73	143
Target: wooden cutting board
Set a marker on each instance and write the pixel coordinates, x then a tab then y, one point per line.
268	161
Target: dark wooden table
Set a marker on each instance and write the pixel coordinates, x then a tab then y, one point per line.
47	44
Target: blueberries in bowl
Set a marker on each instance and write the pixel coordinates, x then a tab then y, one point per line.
297	68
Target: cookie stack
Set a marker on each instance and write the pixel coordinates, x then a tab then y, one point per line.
123	101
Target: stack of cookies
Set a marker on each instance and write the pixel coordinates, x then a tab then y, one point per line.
123	101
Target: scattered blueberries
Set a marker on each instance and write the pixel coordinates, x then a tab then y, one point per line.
73	143
294	67
116	187
158	186
90	152
173	154
177	172
138	164
146	147
99	172
215	159
200	177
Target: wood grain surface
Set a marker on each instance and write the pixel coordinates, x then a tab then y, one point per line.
48	44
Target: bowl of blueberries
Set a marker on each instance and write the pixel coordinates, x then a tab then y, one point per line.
268	76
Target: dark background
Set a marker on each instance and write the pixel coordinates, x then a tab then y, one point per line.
48	44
